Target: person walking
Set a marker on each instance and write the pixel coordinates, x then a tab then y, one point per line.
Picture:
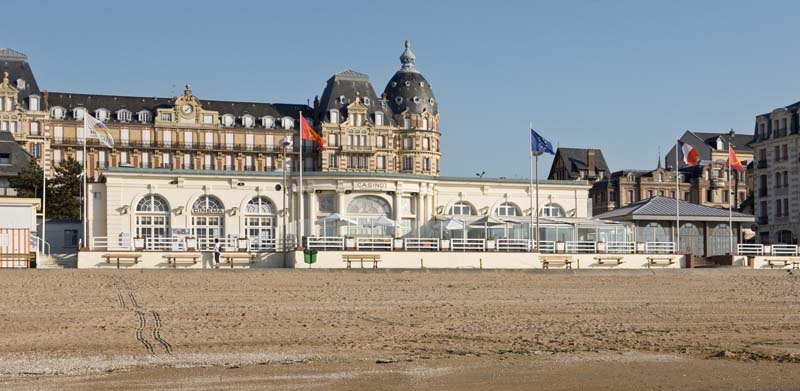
217	252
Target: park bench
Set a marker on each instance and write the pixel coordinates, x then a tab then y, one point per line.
609	259
240	258
126	259
783	262
557	260
186	259
349	258
659	261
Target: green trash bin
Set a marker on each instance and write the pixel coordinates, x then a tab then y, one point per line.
310	256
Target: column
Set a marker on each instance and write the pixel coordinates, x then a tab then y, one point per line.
312	213
420	209
339	209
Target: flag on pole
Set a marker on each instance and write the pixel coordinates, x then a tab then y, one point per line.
307	132
539	144
687	155
733	162
97	129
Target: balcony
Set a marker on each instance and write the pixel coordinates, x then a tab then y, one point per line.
761	164
762	220
101	165
357	148
249	168
718	183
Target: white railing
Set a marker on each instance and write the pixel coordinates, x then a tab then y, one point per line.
98	243
41	246
325	242
421	244
545	246
259	244
659	247
621	247
513	245
749	249
784	249
374	244
467	244
581	246
165	244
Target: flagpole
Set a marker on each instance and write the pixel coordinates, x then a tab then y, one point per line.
302	198
530	188
677	199
44	196
536	158
730	211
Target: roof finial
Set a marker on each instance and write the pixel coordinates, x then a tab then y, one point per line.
187	90
5	77
408	59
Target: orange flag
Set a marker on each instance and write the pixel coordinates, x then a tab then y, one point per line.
733	162
307	132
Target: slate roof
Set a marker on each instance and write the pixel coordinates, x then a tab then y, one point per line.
576	159
135	104
347	84
706	142
663	208
17	66
19	156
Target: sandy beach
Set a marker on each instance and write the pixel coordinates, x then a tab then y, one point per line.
400	330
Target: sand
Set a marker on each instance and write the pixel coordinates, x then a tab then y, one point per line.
400	330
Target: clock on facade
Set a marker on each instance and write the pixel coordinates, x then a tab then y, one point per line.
187	109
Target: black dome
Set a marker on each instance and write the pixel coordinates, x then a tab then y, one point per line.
408	89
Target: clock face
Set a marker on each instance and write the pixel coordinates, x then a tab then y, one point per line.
187	109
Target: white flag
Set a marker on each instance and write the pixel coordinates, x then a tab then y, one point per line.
98	130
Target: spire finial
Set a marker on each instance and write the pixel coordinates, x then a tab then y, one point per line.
408	59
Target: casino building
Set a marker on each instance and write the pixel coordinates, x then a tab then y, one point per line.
191	167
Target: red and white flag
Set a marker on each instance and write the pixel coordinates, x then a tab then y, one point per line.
687	155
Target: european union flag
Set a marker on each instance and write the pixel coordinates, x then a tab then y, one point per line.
539	144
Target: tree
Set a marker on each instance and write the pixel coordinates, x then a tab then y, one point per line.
28	183
64	191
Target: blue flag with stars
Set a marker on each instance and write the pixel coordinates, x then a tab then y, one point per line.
539	144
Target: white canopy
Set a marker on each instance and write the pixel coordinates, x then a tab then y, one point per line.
335	218
384	221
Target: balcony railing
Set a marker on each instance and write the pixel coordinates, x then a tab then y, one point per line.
200	146
761	163
718	183
762	220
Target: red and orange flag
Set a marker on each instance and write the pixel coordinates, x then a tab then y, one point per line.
307	132
733	162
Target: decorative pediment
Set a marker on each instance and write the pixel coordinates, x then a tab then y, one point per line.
6	87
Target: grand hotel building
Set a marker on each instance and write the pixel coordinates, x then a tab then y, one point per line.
215	169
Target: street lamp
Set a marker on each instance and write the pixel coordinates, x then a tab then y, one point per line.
285	144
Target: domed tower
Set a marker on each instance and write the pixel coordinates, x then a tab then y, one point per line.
415	111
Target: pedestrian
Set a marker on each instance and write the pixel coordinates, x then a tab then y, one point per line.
217	252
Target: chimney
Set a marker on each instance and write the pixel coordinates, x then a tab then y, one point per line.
590	156
316	108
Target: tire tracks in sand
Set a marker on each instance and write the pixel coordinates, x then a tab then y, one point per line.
126	298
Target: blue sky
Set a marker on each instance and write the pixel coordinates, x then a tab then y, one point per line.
626	76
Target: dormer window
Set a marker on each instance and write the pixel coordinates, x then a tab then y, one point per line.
57	112
378	118
342	99
248	121
101	114
21	84
77	113
33	102
267	122
144	116
287	122
630	178
399	100
366	100
719	144
124	115
334	116
227	120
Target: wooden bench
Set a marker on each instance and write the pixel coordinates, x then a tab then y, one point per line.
783	262
557	260
611	259
187	259
128	259
349	258
660	261
234	258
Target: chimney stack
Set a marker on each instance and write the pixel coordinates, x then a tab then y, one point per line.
590	161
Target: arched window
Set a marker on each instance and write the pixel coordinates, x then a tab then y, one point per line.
366	210
259	223
227	120
145	116
57	112
508	209
267	121
248	121
124	115
287	122
462	208
378	118
33	102
208	221
152	219
101	114
551	210
77	113
334	116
